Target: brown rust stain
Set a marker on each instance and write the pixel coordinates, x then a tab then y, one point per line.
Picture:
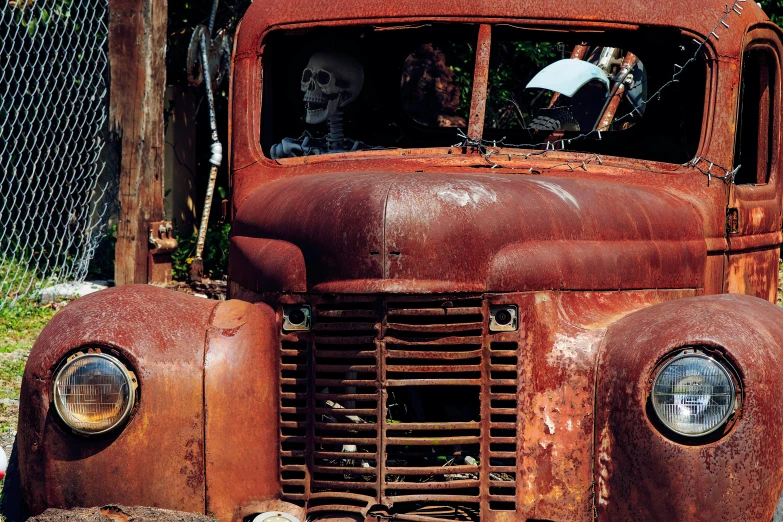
479	100
754	273
194	465
241	357
230	316
556	405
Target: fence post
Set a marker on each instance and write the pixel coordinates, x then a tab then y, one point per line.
137	45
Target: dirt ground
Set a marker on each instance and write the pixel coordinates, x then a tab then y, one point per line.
118	514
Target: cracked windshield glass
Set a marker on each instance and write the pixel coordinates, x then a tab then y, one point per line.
356	89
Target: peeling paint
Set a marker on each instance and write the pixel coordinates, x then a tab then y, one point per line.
604	466
549	424
566	349
467	193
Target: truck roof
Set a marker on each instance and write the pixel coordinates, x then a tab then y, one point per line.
699	16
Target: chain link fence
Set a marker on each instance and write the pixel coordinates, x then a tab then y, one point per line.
54	195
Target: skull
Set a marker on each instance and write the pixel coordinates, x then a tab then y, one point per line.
331	81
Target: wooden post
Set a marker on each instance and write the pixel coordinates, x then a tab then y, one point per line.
137	46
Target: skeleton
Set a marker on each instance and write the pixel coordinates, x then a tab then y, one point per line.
330	82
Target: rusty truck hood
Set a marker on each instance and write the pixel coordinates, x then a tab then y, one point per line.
437	232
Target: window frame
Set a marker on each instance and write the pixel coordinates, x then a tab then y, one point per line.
456	154
766	37
772	116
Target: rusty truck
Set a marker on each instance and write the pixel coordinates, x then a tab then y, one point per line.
489	261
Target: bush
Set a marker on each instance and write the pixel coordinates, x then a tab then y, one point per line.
215	253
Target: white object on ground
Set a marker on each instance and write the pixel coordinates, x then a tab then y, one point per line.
3	463
65	291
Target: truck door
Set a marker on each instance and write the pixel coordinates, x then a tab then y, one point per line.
753	217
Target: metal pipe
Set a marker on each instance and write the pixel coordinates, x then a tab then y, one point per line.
613	100
216	157
212	16
478	102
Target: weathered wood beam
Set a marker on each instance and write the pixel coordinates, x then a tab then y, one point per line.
137	46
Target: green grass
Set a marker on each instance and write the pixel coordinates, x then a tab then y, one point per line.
19	328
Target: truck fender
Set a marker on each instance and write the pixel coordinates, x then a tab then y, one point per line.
183	351
642	474
241	383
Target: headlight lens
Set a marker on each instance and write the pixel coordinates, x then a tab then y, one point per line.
94	393
693	394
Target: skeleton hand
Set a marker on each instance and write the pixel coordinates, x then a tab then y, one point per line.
291	148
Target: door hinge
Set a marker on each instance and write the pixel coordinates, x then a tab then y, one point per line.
732	220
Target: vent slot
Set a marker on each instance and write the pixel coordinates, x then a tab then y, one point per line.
434	342
294	378
424	512
415	364
423	321
346	402
432	431
503	413
432	438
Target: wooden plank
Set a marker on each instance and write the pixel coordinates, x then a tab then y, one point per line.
137	43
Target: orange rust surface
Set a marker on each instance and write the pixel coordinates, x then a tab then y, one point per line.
607	265
556	397
479	100
240	397
160	335
641	475
754	273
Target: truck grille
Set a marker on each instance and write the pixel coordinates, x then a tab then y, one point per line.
399	402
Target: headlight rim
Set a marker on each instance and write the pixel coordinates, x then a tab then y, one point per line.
730	418
133	393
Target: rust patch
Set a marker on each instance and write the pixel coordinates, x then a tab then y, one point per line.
604	472
230	316
194	469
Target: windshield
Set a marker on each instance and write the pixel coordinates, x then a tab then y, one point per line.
353	89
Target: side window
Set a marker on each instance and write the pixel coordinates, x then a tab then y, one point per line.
755	131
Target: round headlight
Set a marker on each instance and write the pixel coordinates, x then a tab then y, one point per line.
94	393
693	394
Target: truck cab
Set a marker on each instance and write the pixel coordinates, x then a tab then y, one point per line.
500	261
